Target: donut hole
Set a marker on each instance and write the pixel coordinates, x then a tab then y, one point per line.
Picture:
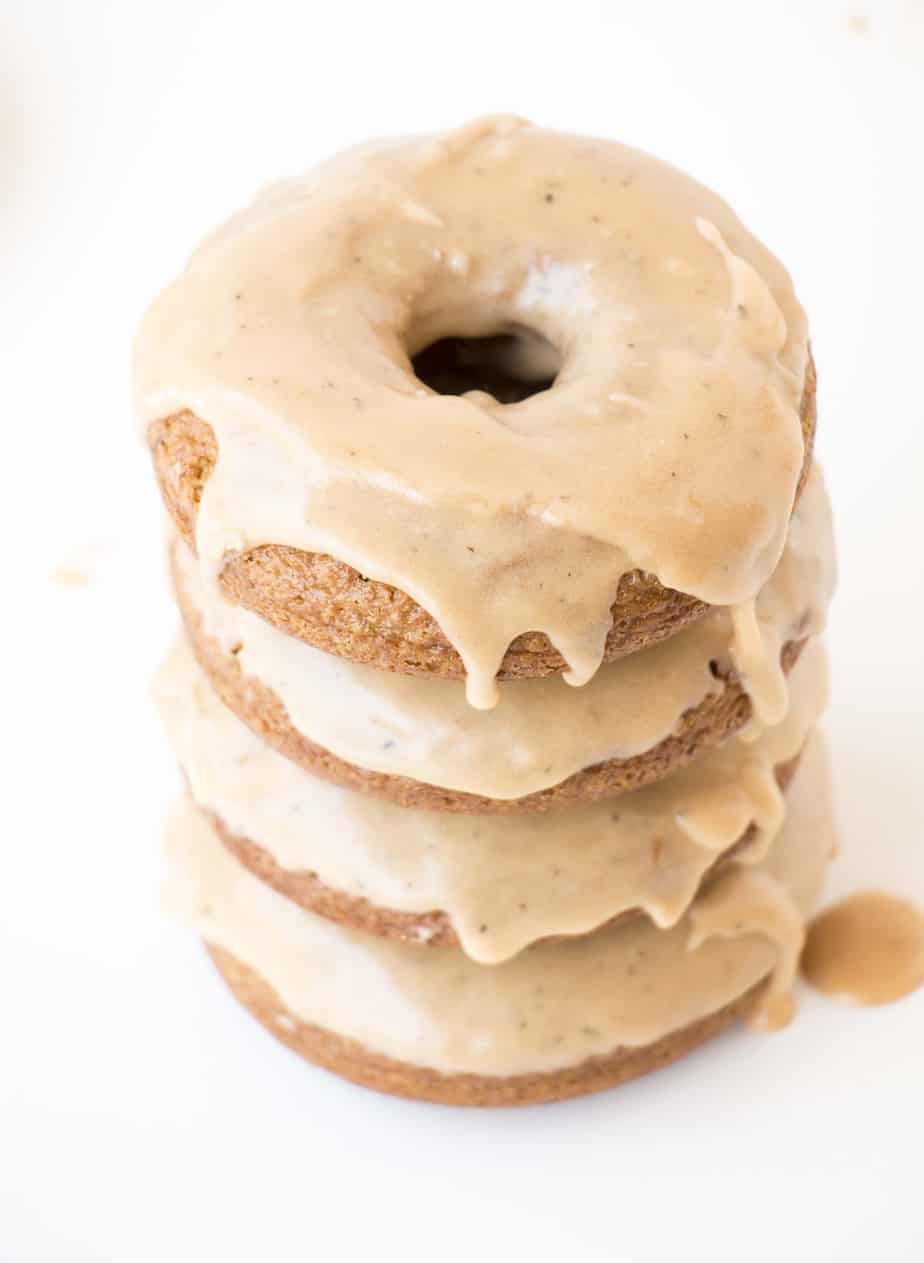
511	365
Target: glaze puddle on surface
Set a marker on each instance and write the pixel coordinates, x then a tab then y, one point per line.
869	948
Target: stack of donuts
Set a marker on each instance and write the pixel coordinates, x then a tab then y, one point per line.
501	561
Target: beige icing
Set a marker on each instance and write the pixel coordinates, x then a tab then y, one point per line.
552	1005
670	440
504	881
541	732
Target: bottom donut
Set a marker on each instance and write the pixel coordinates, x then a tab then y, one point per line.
350	1060
561	1018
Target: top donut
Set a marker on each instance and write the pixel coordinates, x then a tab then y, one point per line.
503	401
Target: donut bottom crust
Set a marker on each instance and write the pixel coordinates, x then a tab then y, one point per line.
351	1060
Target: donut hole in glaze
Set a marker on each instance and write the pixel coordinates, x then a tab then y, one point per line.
510	365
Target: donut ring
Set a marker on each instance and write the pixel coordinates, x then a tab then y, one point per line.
368	1069
332	607
261	709
419	929
295	341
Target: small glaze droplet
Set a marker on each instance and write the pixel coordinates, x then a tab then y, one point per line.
776	1012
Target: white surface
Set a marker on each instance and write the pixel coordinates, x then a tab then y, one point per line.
143	1116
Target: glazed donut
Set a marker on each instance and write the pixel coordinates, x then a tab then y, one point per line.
724	708
496	403
362	1065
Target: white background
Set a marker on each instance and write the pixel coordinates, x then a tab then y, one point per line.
142	1115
